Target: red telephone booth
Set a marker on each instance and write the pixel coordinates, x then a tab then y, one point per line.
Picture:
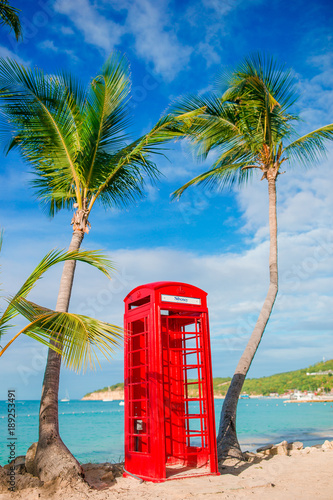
169	405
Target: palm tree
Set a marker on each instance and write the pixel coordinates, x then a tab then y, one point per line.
73	336
75	141
9	17
250	127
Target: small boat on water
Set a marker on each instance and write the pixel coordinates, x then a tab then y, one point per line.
121	403
108	397
65	399
244	396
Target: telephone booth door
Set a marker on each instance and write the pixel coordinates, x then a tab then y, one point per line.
169	407
141	416
185	390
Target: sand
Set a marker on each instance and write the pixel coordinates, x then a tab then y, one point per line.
303	474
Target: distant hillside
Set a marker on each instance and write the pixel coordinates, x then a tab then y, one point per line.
115	391
280	383
284	382
115	387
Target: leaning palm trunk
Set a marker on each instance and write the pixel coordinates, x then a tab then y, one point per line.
248	126
52	456
227	442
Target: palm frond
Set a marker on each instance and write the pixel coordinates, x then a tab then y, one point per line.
75	139
226	171
40	115
310	147
259	77
92	257
247	124
106	112
79	339
9	16
124	172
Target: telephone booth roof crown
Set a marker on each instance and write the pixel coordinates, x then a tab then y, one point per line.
178	286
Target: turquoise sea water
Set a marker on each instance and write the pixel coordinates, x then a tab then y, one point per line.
93	430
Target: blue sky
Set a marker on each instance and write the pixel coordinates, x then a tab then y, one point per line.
217	241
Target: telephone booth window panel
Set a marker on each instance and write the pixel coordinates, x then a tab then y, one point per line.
138	386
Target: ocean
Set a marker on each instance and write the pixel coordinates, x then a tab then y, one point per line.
93	430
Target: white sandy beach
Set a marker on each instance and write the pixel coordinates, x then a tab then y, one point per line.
301	474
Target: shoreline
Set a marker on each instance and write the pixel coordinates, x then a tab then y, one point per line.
308	423
275	471
119	396
330	400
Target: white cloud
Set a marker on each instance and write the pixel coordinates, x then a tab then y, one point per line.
304	200
316	94
155	38
219	7
66	30
5	52
97	30
236	284
211	18
48	45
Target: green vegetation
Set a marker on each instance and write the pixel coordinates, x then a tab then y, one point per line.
9	16
280	383
116	387
283	382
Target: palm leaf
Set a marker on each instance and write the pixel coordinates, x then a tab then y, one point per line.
79	339
260	78
42	114
76	139
310	147
122	178
226	171
91	257
9	17
107	111
247	124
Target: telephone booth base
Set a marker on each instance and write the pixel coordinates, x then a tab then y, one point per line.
169	406
173	473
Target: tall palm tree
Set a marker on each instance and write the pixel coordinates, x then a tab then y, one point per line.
250	126
9	17
76	143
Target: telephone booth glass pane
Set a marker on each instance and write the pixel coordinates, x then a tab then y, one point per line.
185	390
138	386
